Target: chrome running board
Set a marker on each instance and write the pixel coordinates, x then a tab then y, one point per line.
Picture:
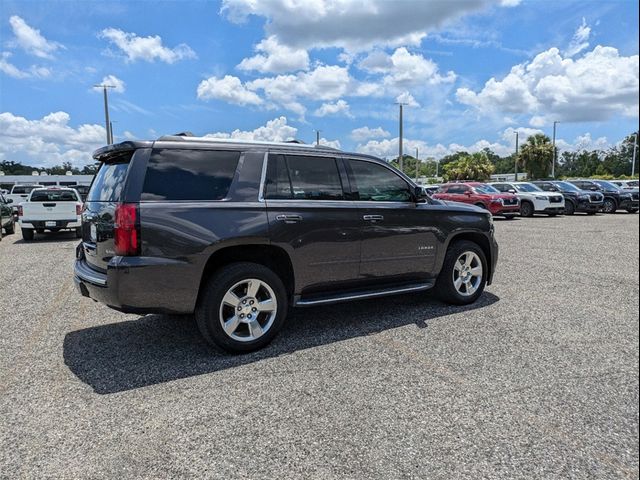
346	297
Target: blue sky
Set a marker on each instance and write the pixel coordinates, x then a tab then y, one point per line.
471	71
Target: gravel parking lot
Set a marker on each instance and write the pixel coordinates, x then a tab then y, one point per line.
538	380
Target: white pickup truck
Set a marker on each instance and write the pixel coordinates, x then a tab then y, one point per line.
50	208
19	194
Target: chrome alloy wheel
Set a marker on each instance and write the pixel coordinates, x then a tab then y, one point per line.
467	274
248	310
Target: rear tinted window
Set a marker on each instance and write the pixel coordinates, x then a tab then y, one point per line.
303	177
174	174
53	196
108	184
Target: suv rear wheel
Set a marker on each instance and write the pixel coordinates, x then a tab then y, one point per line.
464	274
526	209
609	205
242	307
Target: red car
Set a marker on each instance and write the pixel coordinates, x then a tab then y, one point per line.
482	195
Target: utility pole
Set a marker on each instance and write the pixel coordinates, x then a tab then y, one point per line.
553	165
633	162
437	167
417	165
107	122
318	137
401	104
516	162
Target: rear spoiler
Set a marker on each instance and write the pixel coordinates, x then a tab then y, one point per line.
118	149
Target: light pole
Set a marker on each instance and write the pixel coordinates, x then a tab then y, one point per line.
401	104
633	162
106	112
553	165
417	164
318	137
516	162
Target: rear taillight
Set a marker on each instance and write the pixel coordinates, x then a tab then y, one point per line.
78	209
20	211
126	230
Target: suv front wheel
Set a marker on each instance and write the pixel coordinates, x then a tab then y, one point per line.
463	275
242	307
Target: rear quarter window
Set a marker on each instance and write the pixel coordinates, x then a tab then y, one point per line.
109	182
177	174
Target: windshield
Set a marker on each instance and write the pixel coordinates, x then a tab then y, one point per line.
527	187
567	187
607	186
484	188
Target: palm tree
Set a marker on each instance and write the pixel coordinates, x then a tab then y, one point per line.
536	156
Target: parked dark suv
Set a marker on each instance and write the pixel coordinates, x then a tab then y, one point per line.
575	200
615	198
239	232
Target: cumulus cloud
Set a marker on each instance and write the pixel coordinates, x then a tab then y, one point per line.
229	89
580	40
11	70
31	40
49	140
351	24
276	58
276	130
340	107
594	87
117	84
365	133
407	99
148	48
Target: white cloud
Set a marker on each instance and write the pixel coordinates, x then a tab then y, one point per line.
148	48
580	40
338	108
11	70
229	89
596	87
48	141
365	133
117	84
351	24
275	130
31	40
330	143
407	99
276	58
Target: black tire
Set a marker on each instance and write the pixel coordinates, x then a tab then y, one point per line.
591	213
11	228
40	230
509	217
78	232
445	289
207	312
569	208
526	209
27	234
609	206
630	210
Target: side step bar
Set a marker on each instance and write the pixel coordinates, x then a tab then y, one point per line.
345	297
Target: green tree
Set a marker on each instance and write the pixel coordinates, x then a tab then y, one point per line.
536	156
469	167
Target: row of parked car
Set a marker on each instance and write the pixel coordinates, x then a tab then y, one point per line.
549	197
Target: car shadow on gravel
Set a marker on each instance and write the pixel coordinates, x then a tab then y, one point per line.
160	348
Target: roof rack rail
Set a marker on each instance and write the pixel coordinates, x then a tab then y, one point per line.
183	134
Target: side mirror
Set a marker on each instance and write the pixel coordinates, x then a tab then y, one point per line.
468	193
593	188
511	190
419	194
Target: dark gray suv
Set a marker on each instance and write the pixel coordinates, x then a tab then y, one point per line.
238	232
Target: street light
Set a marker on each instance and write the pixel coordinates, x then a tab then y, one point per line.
553	165
401	104
106	112
318	137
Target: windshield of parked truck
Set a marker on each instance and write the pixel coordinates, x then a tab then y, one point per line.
486	189
527	187
567	187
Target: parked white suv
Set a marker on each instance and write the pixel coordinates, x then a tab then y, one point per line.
533	199
50	208
20	193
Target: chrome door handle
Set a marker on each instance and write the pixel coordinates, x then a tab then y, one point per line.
288	218
373	218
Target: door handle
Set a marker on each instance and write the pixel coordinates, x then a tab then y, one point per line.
373	218
288	218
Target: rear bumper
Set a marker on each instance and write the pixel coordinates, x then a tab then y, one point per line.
139	284
495	251
41	224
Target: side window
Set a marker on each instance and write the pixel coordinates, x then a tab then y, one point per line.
313	178
277	183
174	174
379	184
544	186
457	189
502	187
